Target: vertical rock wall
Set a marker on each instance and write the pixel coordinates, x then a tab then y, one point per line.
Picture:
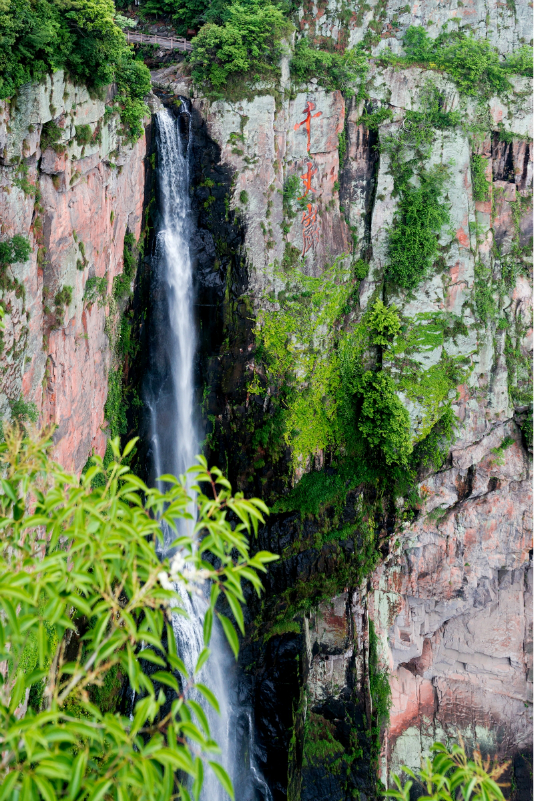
451	601
74	200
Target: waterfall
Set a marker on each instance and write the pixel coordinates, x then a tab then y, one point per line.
174	440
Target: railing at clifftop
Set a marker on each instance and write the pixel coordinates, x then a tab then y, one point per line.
171	42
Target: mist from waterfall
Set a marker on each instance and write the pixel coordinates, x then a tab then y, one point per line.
174	439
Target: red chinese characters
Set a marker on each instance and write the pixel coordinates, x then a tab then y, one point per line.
310	106
310	229
307	178
310	221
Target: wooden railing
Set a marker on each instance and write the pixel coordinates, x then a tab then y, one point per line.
173	43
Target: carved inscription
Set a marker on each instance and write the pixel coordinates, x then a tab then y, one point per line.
310	222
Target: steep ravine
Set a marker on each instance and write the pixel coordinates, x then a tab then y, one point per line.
430	593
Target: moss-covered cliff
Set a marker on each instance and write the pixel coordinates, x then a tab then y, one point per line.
363	250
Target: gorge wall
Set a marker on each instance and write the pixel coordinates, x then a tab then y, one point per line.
426	586
72	187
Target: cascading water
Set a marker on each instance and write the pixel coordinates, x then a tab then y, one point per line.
174	439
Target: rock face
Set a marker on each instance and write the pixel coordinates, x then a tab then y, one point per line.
293	181
70	187
450	604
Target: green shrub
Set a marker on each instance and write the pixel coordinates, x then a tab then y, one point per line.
413	240
243	197
245	47
478	178
452	775
83	134
95	289
382	419
374	119
384	323
79	36
361	269
51	133
16	249
290	194
63	298
334	70
187	14
472	63
84	596
23	411
132	77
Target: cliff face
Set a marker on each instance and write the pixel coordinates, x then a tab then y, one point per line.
306	183
450	603
72	189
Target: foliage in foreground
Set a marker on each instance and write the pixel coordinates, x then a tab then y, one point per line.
451	774
84	597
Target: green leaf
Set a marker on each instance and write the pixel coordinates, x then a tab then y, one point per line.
200	715
209	695
202	658
17	693
10	780
199	779
231	634
166	678
151	657
223	778
236	609
207	625
178	664
129	447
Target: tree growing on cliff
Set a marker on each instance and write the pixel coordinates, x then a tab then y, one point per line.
245	46
85	609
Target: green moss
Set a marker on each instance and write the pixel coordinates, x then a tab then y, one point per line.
83	134
361	269
484	290
282	628
380	690
123	282
299	345
24	411
432	450
342	147
115	408
321	749
478	178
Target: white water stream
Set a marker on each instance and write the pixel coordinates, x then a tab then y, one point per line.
174	442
